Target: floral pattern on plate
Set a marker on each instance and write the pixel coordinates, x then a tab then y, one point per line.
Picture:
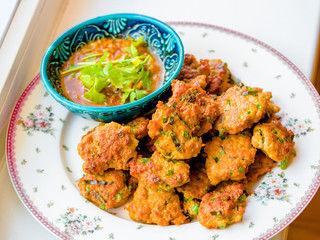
300	128
76	223
273	187
39	120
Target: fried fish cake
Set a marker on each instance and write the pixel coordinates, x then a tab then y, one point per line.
240	108
107	146
194	106
153	206
173	137
139	127
106	191
220	208
275	140
262	164
198	186
159	171
217	74
229	158
191	208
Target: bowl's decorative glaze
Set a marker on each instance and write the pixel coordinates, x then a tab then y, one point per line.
161	39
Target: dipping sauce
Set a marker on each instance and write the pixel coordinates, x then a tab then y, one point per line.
117	49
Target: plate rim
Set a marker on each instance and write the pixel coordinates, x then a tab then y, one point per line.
25	199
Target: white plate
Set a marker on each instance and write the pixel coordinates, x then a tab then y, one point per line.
44	165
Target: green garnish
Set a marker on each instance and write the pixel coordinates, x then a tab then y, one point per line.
103	207
195	208
242	198
258	105
216	159
274	131
284	164
169	172
248	111
213	213
124	73
222	227
229	102
240	169
164	119
145	160
250	91
119	196
186	134
279	139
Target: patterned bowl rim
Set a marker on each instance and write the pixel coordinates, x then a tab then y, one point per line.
41	218
76	106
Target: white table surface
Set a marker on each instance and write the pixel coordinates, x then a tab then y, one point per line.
290	26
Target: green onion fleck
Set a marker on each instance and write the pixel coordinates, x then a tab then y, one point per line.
145	160
195	208
186	134
164	119
280	140
258	105
284	164
216	159
169	172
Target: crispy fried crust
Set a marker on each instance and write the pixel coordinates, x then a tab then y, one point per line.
160	172
194	106
275	140
198	186
262	164
229	158
216	72
173	138
219	209
139	127
107	191
153	206
240	108
107	146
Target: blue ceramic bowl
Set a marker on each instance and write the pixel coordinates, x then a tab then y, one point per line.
161	39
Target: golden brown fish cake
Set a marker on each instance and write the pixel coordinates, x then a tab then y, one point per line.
217	74
198	81
220	208
198	186
107	146
228	158
159	171
194	106
275	140
174	139
240	108
139	127
153	206
261	165
106	191
191	208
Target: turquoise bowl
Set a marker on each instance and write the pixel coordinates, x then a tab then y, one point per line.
161	39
